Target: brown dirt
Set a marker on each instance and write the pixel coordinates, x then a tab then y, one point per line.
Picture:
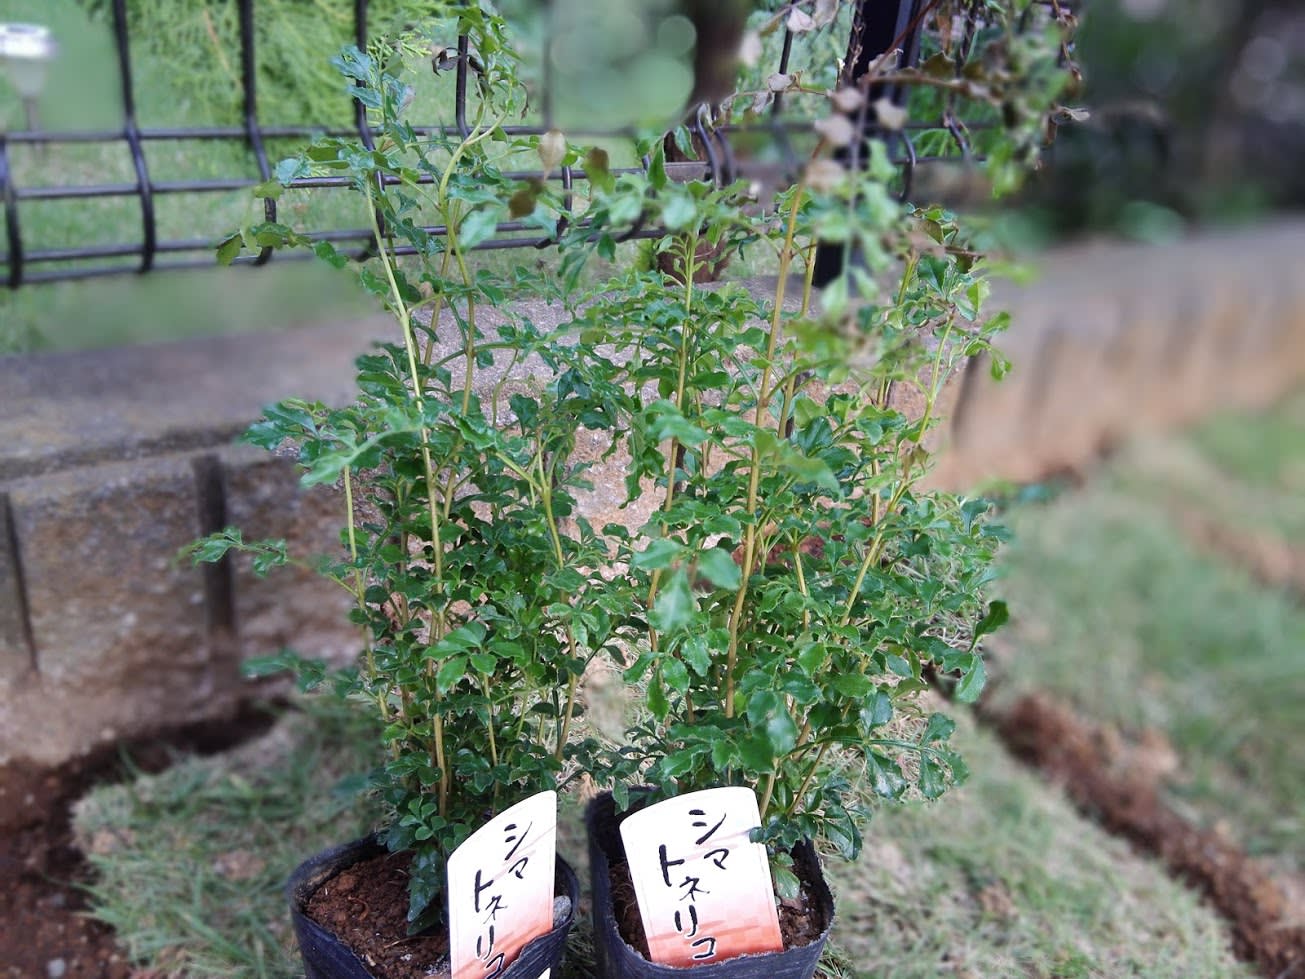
44	930
366	905
1267	557
1126	800
41	905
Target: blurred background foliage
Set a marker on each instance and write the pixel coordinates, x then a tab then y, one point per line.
1197	113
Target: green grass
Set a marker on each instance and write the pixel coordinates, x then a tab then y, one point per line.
1240	469
1002	877
191	862
117	311
1264	449
1118	612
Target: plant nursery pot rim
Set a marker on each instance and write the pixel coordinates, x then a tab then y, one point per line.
326	864
774	965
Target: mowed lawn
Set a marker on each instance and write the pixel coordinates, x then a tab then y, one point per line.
1139	600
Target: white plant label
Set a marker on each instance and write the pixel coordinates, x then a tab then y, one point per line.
501	888
703	887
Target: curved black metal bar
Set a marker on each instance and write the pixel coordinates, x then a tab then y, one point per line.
568	199
12	231
729	169
702	127
364	130
249	78
892	22
460	86
957	130
131	133
908	170
784	56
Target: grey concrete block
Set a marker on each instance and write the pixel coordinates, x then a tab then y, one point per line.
117	624
102	582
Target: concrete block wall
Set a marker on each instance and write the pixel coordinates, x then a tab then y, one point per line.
110	461
1114	339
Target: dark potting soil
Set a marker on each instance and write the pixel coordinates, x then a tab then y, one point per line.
800	922
1075	753
366	906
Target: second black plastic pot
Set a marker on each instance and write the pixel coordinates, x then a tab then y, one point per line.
617	959
327	957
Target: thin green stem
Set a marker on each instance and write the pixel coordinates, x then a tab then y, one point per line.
806	782
690	253
754	474
908	479
550	518
410	345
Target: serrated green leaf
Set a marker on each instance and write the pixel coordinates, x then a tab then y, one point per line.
675	606
932	782
269	190
878	710
761	706
783	732
450	672
229	247
998	615
938	728
755	754
722	754
885	777
787	885
659	554
717	566
479	226
697	653
658	704
852	684
680	212
676	675
972	683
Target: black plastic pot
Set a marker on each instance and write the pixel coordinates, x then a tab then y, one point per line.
617	959
327	957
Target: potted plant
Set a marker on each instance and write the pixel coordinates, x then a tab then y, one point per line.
796	588
475	585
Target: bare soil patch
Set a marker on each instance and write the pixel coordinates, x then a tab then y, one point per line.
1268	558
1126	800
44	928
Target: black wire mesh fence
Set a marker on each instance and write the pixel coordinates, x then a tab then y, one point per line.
171	220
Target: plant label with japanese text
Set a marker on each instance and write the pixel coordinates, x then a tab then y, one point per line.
501	888
703	887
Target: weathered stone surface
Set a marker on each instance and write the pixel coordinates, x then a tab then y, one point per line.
62	410
16	657
117	626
